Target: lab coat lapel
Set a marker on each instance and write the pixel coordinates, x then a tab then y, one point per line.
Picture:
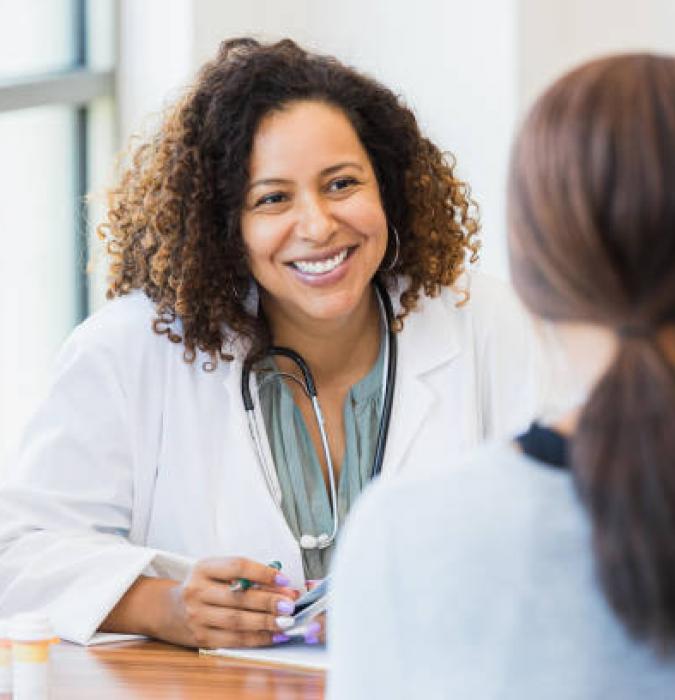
428	340
275	533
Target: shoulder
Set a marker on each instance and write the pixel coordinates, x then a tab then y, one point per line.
477	301
127	316
492	302
490	496
119	334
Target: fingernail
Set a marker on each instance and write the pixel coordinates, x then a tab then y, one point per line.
311	640
279	638
313	629
285	607
281	580
284	622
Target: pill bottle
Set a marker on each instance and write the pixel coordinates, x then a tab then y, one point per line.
5	662
32	637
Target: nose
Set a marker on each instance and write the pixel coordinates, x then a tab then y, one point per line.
316	222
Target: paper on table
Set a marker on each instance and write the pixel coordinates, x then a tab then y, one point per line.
293	653
112	637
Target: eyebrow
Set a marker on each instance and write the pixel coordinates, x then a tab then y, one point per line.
326	171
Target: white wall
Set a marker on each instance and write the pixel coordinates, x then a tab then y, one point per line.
155	60
454	68
555	35
468	69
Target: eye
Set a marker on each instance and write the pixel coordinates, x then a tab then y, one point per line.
271	198
342	183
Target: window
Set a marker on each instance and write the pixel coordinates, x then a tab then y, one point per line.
56	141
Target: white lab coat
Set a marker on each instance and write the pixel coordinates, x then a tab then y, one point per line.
138	462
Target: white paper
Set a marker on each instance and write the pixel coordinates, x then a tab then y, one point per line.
293	653
112	637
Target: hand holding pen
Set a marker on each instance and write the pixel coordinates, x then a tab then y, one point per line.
208	613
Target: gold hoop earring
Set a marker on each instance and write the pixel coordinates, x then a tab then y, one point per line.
397	249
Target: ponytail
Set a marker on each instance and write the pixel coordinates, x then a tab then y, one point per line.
623	454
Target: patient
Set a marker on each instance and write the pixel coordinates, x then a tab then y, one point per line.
545	567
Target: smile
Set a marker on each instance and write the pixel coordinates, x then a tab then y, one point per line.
321	267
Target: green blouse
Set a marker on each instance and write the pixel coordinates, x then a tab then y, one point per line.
305	498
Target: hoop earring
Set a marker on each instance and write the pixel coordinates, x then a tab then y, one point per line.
397	250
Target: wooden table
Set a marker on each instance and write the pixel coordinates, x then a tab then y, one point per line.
142	669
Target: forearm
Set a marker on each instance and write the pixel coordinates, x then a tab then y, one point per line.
144	609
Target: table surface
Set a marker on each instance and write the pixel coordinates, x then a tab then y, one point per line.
143	669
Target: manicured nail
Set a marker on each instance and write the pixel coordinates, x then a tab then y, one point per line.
313	629
279	638
311	640
281	580
284	622
285	607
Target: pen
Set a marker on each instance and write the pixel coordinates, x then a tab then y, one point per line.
243	584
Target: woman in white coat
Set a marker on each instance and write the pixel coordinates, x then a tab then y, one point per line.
273	196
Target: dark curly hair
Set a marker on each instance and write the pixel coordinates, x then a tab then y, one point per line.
173	222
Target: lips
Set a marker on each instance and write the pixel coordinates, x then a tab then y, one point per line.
322	266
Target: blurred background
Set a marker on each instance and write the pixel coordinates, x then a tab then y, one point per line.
79	77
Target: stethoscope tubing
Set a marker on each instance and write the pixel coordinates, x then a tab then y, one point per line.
324	540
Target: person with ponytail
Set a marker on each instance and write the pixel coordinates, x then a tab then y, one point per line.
545	567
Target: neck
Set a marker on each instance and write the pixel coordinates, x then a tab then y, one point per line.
336	350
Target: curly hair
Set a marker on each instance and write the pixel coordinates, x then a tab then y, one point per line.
173	222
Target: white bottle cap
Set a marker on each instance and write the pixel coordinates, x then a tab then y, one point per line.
30	627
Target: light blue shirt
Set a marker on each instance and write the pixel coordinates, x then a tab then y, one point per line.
479	583
305	498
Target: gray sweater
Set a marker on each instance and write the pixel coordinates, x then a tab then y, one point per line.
479	583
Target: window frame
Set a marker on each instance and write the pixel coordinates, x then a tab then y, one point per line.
75	86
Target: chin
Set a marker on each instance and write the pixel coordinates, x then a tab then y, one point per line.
331	307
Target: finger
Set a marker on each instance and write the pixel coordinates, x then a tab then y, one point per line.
253	599
216	639
321	619
237	620
232	568
293	593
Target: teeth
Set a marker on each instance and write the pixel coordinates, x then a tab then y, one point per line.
320	267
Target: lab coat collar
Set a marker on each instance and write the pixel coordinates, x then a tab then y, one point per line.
430	338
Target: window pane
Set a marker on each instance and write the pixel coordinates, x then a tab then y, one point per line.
36	36
101	21
38	268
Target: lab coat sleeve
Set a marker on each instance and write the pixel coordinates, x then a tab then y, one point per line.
66	505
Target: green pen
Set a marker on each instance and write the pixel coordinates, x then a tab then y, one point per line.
243	584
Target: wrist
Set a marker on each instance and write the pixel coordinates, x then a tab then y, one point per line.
158	602
145	608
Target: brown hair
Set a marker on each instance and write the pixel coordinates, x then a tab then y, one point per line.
173	224
592	239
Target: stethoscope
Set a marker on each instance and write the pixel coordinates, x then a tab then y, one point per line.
323	540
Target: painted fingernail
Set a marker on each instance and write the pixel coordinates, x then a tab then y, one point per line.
279	638
284	622
313	629
311	640
285	607
281	580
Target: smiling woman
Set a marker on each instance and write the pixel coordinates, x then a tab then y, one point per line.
278	195
312	218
